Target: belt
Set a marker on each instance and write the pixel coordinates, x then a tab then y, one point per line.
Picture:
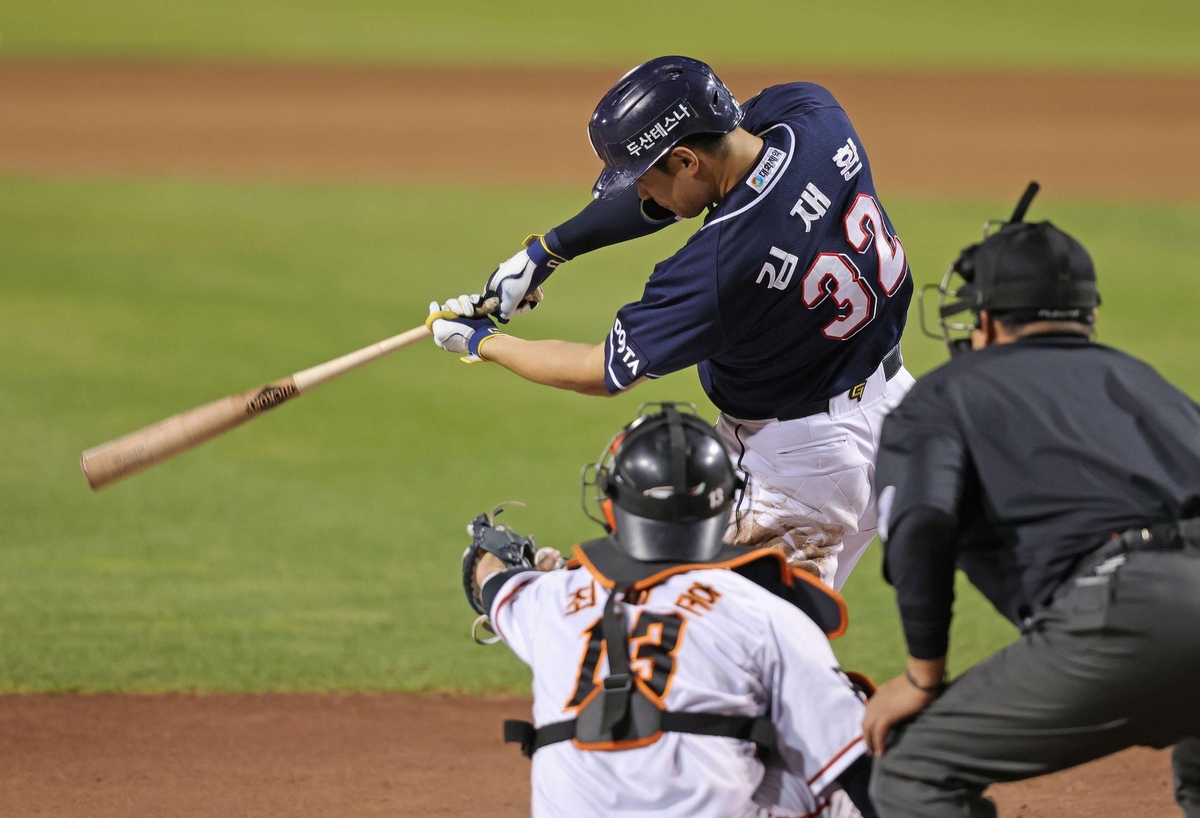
1183	535
1177	536
891	365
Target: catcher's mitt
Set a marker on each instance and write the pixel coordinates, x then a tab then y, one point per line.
490	537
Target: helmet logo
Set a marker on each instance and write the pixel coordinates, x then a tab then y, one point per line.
667	492
664	123
716	497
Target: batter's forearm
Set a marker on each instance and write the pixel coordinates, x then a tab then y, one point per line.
561	364
608	221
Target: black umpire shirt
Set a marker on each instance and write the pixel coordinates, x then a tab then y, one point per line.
1015	461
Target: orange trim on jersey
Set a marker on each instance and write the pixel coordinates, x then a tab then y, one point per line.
655	579
572	563
578	556
625	744
800	573
789	576
833	760
750	556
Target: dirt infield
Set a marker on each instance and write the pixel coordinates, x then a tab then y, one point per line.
961	134
367	755
297	756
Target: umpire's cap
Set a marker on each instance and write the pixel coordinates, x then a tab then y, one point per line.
1029	268
649	111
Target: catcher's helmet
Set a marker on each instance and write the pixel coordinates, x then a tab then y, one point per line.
666	484
649	110
1029	271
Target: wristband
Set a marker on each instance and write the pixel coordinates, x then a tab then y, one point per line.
540	253
479	336
935	689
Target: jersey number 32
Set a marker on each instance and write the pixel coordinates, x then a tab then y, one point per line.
836	276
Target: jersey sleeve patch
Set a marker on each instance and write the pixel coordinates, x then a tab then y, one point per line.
624	362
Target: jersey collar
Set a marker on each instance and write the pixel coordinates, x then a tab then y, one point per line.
608	563
744	196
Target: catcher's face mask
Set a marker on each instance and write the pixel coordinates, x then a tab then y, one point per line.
595	479
665	485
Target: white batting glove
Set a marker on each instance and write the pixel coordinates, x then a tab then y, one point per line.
518	281
456	330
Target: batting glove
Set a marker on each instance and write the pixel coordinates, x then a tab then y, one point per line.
455	329
518	281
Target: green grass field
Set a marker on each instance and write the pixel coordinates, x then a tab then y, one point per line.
1020	34
318	548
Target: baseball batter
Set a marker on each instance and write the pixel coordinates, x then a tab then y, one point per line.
790	298
666	661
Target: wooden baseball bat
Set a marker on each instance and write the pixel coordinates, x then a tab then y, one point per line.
144	448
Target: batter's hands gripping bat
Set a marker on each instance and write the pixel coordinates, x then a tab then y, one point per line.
146	447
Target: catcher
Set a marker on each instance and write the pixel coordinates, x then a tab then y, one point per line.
665	661
1064	478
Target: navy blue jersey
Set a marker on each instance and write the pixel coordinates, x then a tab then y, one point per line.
795	287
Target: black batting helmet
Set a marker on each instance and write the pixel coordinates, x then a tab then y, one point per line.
649	110
665	484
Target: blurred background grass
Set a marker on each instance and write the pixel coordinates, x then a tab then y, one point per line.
319	548
1020	34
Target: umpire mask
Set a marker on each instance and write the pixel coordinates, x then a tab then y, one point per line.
1028	271
665	485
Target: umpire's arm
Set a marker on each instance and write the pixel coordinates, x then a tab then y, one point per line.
921	468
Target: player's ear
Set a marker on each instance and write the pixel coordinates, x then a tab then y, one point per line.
985	334
687	159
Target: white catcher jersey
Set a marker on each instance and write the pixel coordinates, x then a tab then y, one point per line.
706	640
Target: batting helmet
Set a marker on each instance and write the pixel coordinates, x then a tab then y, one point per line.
666	485
1027	271
649	111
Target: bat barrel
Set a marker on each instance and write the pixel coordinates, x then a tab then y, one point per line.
139	450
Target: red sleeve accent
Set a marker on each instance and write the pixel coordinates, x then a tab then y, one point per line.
833	760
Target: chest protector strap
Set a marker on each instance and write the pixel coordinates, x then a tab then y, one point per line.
623	713
619	715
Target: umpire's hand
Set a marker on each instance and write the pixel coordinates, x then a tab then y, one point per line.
899	700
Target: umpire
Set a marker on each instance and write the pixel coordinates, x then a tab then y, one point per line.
1063	477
